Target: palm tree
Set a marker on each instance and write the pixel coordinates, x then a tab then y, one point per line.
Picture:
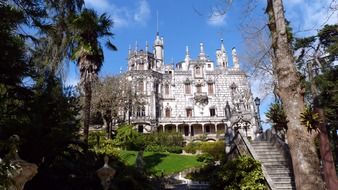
88	53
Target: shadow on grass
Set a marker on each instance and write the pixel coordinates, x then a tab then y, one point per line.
152	160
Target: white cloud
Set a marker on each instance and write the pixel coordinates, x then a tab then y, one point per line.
142	12
216	19
307	16
123	16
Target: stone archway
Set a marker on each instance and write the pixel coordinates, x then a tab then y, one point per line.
160	129
221	128
170	128
196	129
184	129
210	128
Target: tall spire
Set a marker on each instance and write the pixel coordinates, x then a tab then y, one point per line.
202	53
222	46
186	51
147	46
136	46
187	56
235	58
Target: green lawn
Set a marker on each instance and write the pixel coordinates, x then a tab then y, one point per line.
156	162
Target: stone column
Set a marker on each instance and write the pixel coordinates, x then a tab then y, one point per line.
203	129
189	130
176	128
216	128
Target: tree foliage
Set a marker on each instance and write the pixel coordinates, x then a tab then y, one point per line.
87	51
276	115
241	173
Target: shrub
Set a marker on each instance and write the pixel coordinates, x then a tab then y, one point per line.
174	149
128	138
99	144
243	172
215	149
192	147
159	148
206	158
154	148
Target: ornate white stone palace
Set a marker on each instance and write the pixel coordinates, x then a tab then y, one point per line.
197	97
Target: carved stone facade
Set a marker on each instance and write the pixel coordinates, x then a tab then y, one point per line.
197	97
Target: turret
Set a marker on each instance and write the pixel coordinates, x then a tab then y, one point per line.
186	62
235	59
158	50
202	55
221	56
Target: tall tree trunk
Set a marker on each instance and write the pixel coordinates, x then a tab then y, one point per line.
301	143
329	168
86	109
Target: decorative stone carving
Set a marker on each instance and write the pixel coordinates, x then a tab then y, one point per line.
24	171
201	99
241	122
240	98
106	174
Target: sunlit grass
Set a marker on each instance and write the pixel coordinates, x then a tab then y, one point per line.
158	162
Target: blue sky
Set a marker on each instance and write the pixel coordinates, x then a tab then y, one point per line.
188	22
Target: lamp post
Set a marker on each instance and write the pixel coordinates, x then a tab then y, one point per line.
258	102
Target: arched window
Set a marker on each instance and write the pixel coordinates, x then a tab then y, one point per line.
141	66
167	112
166	89
187	88
141	86
189	112
198	70
199	88
212	112
143	111
210	88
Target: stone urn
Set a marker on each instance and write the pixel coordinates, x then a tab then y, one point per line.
106	174
23	171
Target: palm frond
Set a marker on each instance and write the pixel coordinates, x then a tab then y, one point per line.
111	46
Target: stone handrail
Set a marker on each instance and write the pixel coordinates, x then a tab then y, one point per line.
277	141
240	145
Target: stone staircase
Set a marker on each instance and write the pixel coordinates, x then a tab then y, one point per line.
277	164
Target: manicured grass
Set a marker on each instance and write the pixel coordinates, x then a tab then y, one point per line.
158	162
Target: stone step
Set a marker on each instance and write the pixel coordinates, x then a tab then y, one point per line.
282	179
263	160
284	185
270	156
275	164
280	173
263	146
286	188
260	142
272	150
